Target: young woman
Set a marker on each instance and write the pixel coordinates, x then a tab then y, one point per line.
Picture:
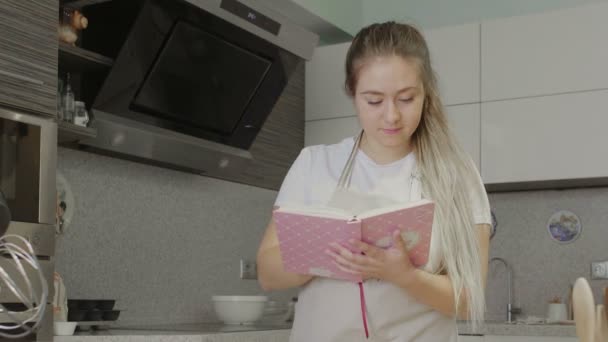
405	152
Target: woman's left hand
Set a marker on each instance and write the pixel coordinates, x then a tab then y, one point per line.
392	264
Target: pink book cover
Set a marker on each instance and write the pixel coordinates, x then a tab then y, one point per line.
305	234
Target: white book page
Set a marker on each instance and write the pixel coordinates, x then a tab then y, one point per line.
384	210
327	212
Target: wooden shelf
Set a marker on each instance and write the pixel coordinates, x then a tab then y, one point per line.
78	4
69	133
73	58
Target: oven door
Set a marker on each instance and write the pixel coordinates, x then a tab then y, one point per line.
28	159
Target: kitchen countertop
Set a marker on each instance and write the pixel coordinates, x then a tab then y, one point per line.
273	333
510	329
207	332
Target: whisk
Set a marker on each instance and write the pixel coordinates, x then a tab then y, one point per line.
18	324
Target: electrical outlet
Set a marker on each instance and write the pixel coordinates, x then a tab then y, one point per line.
249	269
599	270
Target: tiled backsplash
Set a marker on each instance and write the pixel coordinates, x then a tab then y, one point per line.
162	242
544	268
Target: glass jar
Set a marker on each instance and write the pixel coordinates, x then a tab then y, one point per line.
81	116
68	101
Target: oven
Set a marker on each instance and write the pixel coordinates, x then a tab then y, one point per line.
28	161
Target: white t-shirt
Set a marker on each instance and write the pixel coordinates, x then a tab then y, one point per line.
329	310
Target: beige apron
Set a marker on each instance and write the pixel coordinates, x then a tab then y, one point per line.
352	201
391	314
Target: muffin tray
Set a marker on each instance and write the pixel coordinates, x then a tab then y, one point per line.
94	325
97	314
92	315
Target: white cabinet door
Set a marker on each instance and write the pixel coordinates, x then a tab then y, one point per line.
465	123
489	338
553	52
545	138
463	120
455	58
330	131
324	84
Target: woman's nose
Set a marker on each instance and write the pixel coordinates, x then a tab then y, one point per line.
392	114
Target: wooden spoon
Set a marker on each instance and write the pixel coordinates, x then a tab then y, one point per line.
584	310
601	324
606	300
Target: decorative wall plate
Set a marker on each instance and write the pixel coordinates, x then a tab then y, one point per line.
65	204
494	224
564	226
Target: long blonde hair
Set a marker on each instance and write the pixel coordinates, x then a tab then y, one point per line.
447	171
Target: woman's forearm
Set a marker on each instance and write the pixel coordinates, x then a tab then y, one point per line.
271	275
436	291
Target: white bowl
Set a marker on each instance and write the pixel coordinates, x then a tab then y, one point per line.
239	309
64	328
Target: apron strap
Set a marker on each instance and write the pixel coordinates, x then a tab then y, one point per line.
347	171
344	181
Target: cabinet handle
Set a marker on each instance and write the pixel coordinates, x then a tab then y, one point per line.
21	77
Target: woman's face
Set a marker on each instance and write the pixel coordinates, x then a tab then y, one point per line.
389	97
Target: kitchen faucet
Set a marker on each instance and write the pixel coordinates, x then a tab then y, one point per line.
511	311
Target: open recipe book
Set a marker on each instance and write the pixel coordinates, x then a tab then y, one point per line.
305	234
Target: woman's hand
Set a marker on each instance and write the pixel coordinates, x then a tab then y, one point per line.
392	264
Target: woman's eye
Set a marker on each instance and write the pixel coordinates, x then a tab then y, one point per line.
407	100
374	103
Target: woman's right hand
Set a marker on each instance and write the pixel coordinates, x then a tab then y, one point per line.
271	274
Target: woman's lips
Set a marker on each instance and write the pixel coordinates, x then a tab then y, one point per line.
391	131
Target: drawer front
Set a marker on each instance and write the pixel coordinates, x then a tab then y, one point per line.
28	55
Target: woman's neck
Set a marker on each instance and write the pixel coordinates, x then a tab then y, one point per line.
384	154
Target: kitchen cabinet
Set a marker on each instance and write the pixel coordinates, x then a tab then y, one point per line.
330	131
330	115
523	95
548	138
465	122
324	89
28	55
455	59
548	53
490	338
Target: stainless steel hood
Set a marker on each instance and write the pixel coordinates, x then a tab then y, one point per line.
162	146
158	102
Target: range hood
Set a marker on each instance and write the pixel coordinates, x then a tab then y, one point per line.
194	81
